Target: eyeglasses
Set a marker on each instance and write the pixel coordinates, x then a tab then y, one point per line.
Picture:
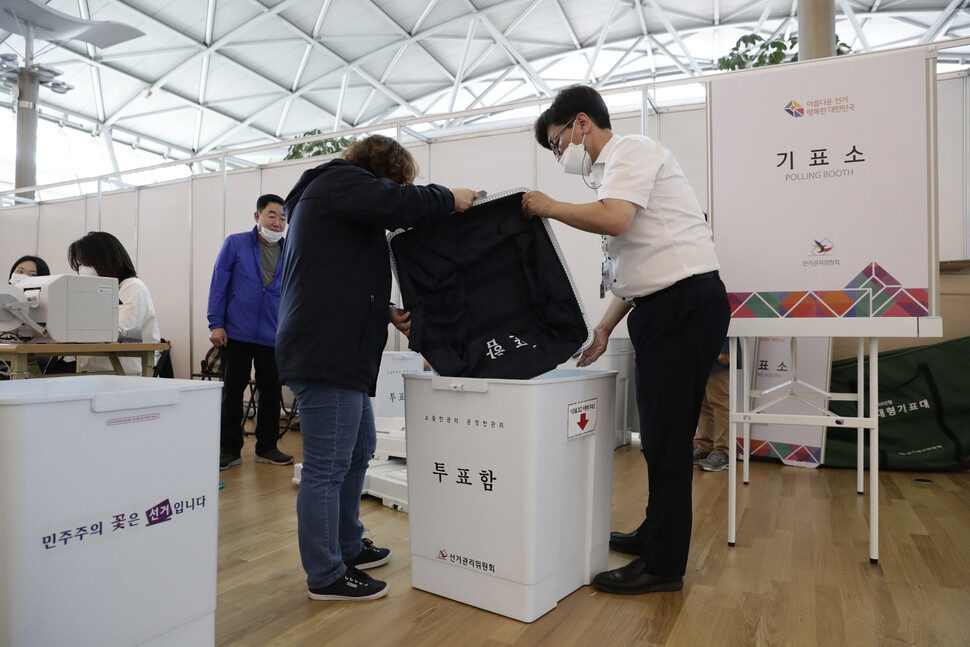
555	139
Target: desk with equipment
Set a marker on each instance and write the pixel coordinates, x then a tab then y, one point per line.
65	315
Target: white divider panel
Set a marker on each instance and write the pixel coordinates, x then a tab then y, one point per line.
493	163
280	178
18	235
61	223
207	239
684	132
242	191
119	217
952	142
91	213
421	153
163	262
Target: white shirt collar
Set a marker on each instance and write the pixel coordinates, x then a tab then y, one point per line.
600	164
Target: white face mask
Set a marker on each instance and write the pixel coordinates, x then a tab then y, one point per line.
17	278
575	160
271	236
86	270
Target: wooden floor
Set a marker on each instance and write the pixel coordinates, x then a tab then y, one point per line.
799	574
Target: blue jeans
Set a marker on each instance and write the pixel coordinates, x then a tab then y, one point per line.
339	438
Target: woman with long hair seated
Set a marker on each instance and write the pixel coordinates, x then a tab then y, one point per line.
100	254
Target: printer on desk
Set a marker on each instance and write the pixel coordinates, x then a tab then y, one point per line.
61	308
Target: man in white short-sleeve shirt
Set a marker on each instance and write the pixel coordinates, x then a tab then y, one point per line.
662	269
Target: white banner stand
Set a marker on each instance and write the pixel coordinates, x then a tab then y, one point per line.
860	422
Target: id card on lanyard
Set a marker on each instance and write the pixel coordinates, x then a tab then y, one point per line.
606	281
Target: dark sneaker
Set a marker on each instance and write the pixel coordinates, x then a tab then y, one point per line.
228	460
274	456
354	585
715	462
700	454
370	557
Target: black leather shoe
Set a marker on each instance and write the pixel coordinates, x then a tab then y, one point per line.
625	542
633	579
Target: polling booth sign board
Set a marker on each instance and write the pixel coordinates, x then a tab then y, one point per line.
821	189
823	202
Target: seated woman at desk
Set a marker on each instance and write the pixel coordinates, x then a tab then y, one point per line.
101	254
24	267
27	266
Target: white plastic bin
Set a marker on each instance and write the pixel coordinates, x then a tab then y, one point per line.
388	401
509	486
619	357
109	492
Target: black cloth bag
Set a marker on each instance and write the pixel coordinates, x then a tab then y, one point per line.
489	293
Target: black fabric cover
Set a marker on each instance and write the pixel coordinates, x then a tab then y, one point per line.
489	295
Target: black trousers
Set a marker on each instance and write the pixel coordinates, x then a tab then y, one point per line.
676	334
238	359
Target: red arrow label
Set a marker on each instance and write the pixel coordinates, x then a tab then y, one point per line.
583	421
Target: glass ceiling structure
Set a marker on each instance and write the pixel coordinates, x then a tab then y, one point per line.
211	76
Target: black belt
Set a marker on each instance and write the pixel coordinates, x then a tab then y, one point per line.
690	279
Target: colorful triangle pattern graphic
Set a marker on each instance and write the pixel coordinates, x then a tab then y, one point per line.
873	292
785	451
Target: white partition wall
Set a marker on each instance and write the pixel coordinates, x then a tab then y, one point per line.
208	207
952	115
164	240
118	215
18	235
279	179
684	132
493	162
61	223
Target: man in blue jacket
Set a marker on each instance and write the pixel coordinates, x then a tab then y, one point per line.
244	304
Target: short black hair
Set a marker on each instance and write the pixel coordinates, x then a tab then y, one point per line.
266	199
103	252
568	103
42	269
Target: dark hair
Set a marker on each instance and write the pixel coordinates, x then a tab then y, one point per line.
384	157
103	252
568	103
266	199
42	269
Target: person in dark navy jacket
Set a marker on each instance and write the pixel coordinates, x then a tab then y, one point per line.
244	303
332	332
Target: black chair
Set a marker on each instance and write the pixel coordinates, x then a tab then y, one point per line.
211	368
163	367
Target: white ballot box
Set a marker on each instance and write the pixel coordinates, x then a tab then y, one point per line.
109	492
509	486
388	401
619	357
